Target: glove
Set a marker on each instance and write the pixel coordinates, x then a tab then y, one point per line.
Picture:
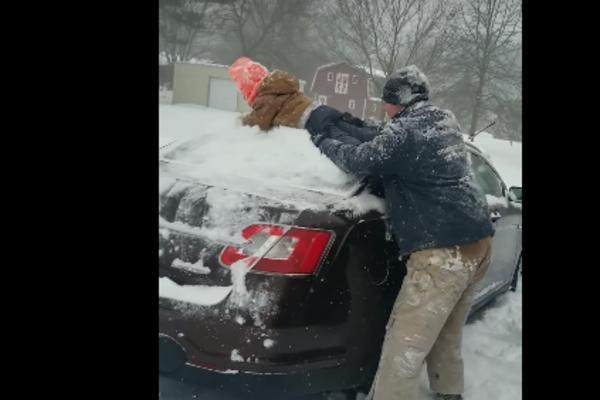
351	119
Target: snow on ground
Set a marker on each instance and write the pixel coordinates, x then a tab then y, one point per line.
493	351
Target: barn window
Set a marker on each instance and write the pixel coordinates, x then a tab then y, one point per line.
341	83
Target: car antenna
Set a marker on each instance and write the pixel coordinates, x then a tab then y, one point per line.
472	137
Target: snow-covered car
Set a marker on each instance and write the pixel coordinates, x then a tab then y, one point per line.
276	270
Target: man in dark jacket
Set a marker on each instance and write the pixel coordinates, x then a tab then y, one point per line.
440	221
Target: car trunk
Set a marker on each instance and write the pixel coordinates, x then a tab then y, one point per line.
200	298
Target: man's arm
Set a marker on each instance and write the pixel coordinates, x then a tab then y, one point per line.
320	117
367	123
364	133
379	156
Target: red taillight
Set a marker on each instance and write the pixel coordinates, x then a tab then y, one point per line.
296	252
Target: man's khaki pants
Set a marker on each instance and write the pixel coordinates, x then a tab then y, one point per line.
427	320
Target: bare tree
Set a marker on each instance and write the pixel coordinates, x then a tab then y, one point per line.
382	34
255	22
272	32
470	49
289	45
180	22
487	40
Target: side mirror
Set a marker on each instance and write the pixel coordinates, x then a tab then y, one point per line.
515	194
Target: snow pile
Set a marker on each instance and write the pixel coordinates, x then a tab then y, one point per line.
219	146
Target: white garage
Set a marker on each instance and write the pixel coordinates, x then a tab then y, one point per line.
208	85
222	94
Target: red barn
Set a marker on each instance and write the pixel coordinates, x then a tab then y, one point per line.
347	88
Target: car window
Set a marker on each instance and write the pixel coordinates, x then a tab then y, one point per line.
518	192
485	178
